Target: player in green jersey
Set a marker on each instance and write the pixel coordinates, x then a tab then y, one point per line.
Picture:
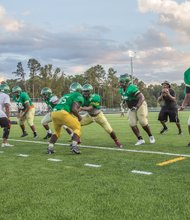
51	100
94	114
26	110
138	110
186	100
66	112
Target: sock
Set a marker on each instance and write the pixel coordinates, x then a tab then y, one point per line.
51	145
49	131
74	143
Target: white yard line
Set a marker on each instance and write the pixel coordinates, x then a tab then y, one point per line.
22	155
92	165
54	160
141	172
107	148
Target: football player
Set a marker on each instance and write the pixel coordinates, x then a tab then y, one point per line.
5	113
26	110
94	114
66	112
167	100
51	100
138	110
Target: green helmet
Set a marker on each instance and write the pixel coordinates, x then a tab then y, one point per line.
87	87
75	87
46	92
16	89
5	88
124	78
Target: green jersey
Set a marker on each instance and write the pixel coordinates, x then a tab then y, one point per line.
130	95
22	100
93	100
187	77
66	102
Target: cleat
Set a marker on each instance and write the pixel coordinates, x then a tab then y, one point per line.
75	149
35	136
152	139
6	145
180	133
118	144
47	136
164	130
139	142
24	134
50	151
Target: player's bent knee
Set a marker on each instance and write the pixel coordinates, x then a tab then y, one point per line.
143	123
57	134
132	124
108	130
44	123
77	132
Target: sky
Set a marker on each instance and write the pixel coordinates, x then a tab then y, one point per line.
78	34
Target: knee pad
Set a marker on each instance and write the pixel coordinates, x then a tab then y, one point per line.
43	123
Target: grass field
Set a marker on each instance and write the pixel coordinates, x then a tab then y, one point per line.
34	188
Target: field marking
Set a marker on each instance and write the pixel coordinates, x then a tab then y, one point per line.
92	165
54	160
141	172
108	148
171	161
22	155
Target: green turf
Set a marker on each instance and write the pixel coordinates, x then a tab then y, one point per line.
35	188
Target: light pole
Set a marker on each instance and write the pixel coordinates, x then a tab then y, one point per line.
131	55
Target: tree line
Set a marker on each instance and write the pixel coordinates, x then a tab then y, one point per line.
104	83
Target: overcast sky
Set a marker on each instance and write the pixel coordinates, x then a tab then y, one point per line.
78	34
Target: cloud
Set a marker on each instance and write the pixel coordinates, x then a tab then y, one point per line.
7	23
151	39
85	46
77	49
73	50
171	14
159	64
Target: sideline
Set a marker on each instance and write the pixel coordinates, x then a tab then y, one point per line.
107	148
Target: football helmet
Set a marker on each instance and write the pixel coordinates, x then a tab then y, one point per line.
46	93
16	89
75	87
124	79
86	90
87	87
5	88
